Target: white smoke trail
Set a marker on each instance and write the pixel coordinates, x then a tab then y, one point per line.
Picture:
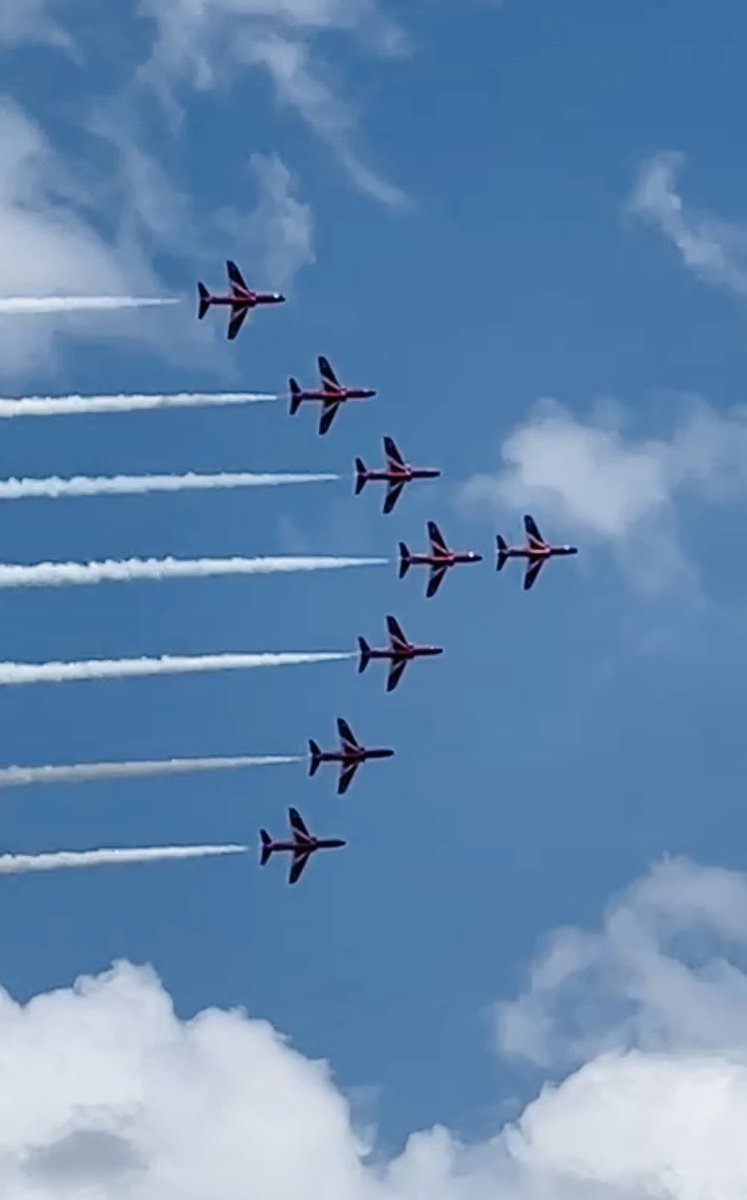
17	864
135	485
66	574
17	305
87	772
13	674
63	406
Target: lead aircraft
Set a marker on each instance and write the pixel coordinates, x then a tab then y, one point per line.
240	299
439	559
400	651
350	756
537	551
304	844
331	394
397	473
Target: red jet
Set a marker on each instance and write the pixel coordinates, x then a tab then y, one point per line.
350	756
537	551
439	559
396	474
302	847
400	651
241	299
331	394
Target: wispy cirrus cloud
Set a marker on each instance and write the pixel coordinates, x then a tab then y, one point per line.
713	249
595	480
113	1092
33	21
202	42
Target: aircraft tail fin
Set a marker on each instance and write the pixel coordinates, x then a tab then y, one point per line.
360	476
365	652
405	562
315	757
204	296
502	546
266	846
295	391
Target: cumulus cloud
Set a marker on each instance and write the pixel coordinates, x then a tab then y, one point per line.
588	475
713	249
200	41
108	1092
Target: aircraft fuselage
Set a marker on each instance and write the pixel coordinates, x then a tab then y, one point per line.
354	756
306	846
402	476
539	552
326	397
247	299
443	560
405	655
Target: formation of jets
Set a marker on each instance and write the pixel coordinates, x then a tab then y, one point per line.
331	394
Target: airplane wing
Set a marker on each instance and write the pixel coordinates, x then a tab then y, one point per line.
392	453
347	737
329	379
438	545
533	570
298	824
395	673
533	533
435	580
236	320
236	279
300	859
347	772
397	637
393	493
329	412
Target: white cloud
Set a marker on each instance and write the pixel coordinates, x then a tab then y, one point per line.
279	230
203	41
713	249
587	476
50	246
106	1092
31	21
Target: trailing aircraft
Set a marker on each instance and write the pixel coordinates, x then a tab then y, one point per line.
350	756
240	299
400	652
397	473
303	845
537	551
331	394
439	559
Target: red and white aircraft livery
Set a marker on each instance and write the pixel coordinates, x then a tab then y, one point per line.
303	845
439	559
331	394
400	652
240	299
350	756
537	551
397	473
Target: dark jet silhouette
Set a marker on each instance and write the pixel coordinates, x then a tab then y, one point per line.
537	551
397	473
350	756
240	299
439	559
400	651
304	844
331	394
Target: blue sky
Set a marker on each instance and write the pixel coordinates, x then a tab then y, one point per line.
478	209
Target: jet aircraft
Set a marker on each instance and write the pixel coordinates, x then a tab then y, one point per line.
331	394
304	844
537	551
397	473
240	299
400	651
439	559
350	756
